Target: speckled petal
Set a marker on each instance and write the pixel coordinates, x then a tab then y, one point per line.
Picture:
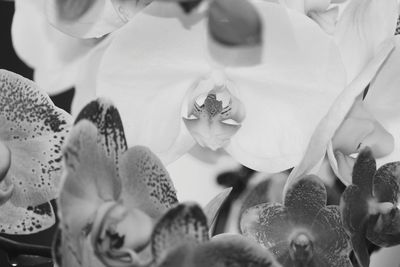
331	240
34	131
386	186
384	229
364	170
228	250
25	220
305	198
145	182
360	248
107	120
183	224
89	182
269	225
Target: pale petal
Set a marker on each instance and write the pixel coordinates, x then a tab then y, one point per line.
363	26
329	124
284	104
148	84
34	130
53	55
383	94
101	19
85	86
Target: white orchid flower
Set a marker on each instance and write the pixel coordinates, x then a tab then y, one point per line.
53	55
160	71
32	133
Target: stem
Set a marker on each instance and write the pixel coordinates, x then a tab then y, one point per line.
14	248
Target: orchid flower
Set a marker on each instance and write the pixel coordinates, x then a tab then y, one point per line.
108	190
324	12
303	231
369	206
32	133
180	239
92	19
178	85
54	55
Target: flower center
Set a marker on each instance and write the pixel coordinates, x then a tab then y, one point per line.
118	234
301	248
214	113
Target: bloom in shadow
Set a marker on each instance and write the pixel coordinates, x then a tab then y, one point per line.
303	231
108	190
181	239
31	135
369	205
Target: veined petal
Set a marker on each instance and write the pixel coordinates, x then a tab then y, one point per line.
34	130
363	26
148	84
100	19
53	55
275	132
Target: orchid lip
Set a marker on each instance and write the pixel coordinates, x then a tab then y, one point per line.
301	246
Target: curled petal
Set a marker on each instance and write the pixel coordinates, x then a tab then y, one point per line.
34	130
72	9
89	181
98	20
269	225
145	182
184	224
305	198
331	240
155	103
363	26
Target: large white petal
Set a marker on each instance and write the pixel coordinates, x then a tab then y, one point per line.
287	94
147	71
53	55
363	26
383	98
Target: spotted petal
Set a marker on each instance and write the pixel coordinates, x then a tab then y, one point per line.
184	224
331	241
305	198
53	55
269	225
145	182
33	129
89	182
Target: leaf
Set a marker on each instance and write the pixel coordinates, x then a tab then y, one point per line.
213	208
235	23
183	224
